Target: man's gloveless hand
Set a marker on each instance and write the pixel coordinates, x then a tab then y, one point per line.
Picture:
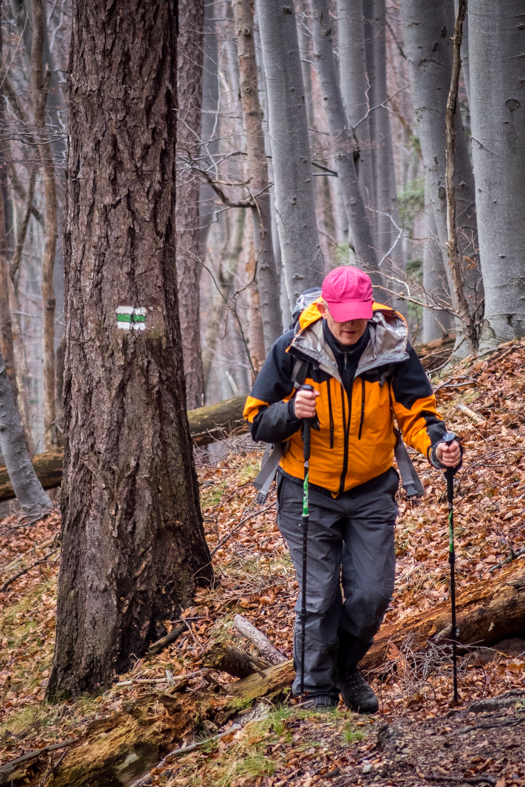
305	403
449	455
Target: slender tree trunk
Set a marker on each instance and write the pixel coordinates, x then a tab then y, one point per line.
210	128
428	48
390	249
343	139
133	546
497	92
255	327
40	89
435	323
6	328
294	192
189	84
257	170
355	85
466	317
24	481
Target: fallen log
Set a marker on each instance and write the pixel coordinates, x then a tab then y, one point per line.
273	681
487	611
268	651
207	424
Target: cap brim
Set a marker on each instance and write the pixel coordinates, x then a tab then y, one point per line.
350	310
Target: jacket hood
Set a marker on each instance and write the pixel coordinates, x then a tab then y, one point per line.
387	344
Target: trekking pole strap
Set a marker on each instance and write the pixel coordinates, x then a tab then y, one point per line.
409	477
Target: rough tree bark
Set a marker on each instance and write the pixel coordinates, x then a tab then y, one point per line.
189	84
428	48
40	83
26	485
343	141
133	543
294	193
256	169
497	95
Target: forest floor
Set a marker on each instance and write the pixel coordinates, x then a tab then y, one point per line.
418	737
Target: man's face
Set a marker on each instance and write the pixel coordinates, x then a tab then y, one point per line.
347	333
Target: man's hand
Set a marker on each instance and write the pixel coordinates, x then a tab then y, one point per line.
449	455
305	403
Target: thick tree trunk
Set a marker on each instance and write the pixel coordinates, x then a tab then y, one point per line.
133	543
189	85
22	476
40	84
343	140
292	169
257	171
428	48
497	92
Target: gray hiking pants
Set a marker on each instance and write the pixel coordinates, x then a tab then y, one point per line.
350	572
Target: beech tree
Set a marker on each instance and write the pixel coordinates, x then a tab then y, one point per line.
189	83
133	546
497	95
291	158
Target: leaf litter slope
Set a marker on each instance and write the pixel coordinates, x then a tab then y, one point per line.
254	577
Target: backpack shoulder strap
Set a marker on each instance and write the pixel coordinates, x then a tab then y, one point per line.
299	372
409	477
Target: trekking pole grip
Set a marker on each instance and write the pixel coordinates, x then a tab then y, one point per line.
307	428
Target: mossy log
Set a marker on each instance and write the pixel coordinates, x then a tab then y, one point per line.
487	611
207	424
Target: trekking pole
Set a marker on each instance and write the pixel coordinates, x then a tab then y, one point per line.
305	518
450	472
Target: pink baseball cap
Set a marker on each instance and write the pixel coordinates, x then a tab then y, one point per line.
348	294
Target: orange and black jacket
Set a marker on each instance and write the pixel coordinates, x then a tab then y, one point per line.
362	389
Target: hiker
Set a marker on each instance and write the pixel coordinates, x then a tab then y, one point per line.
356	356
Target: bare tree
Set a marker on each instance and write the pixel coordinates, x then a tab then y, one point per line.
257	171
428	48
292	169
189	267
497	94
133	545
343	141
40	84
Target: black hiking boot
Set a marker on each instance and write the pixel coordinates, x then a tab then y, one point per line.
357	694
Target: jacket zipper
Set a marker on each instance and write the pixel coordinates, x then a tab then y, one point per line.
346	428
330	414
362	407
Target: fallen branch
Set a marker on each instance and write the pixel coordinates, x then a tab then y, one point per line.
471	414
268	651
233	661
25	570
240	524
160	644
513	556
9	768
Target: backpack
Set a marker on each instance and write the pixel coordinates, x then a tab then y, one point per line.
273	453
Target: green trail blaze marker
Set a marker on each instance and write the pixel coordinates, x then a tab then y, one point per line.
131	318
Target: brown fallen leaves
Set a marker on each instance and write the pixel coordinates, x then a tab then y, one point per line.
254	576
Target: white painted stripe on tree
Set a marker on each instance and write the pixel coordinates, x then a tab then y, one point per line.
131	318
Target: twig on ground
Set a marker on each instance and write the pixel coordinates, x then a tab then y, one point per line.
230	534
9	767
28	568
162	643
509	559
471	414
195	639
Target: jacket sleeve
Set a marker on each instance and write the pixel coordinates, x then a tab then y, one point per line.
269	408
415	405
